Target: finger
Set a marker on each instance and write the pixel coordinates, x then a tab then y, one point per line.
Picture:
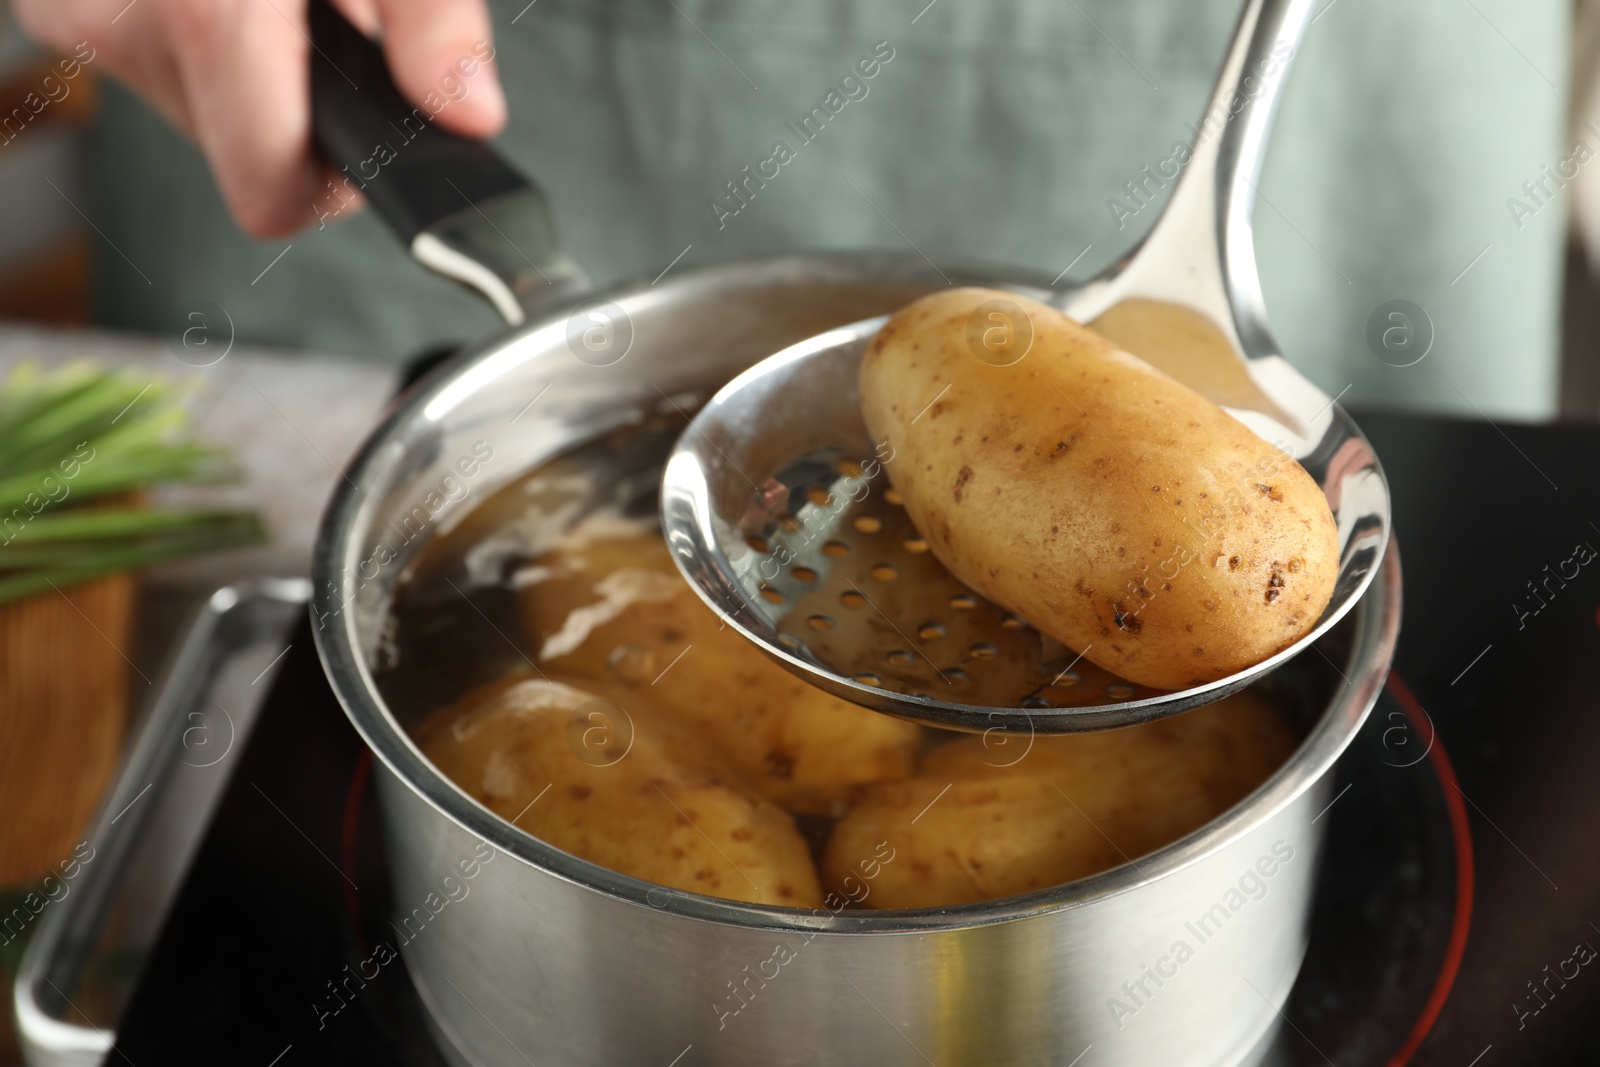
244	70
337	198
363	14
128	43
441	56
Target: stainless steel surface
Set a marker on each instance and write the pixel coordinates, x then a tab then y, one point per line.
505	249
557	960
541	957
742	533
173	774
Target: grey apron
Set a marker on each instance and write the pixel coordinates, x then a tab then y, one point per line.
1016	131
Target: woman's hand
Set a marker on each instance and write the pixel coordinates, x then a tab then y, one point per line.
233	74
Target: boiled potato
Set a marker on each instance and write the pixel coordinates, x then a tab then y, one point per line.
611	605
979	840
1114	508
599	772
1224	750
984	820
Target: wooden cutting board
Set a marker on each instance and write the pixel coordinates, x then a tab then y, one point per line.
63	714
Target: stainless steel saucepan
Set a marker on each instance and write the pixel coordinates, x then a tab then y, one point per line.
1182	956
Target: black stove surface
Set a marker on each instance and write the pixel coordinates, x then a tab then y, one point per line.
1460	889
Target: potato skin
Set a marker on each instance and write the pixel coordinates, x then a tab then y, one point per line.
1072	806
809	751
669	810
1111	506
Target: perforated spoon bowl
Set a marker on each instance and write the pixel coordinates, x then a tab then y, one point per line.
777	511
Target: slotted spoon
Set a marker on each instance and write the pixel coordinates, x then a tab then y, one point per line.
778	513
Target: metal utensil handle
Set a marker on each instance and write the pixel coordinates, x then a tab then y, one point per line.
1279	30
232	619
1244	103
1201	252
463	211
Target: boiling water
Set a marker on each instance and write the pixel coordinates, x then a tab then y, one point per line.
455	623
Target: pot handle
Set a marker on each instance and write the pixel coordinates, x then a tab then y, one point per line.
462	210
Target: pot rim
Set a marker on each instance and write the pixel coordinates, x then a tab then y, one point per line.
1376	619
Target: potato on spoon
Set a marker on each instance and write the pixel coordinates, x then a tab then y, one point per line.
1113	507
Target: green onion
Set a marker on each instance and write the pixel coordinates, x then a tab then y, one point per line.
70	439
